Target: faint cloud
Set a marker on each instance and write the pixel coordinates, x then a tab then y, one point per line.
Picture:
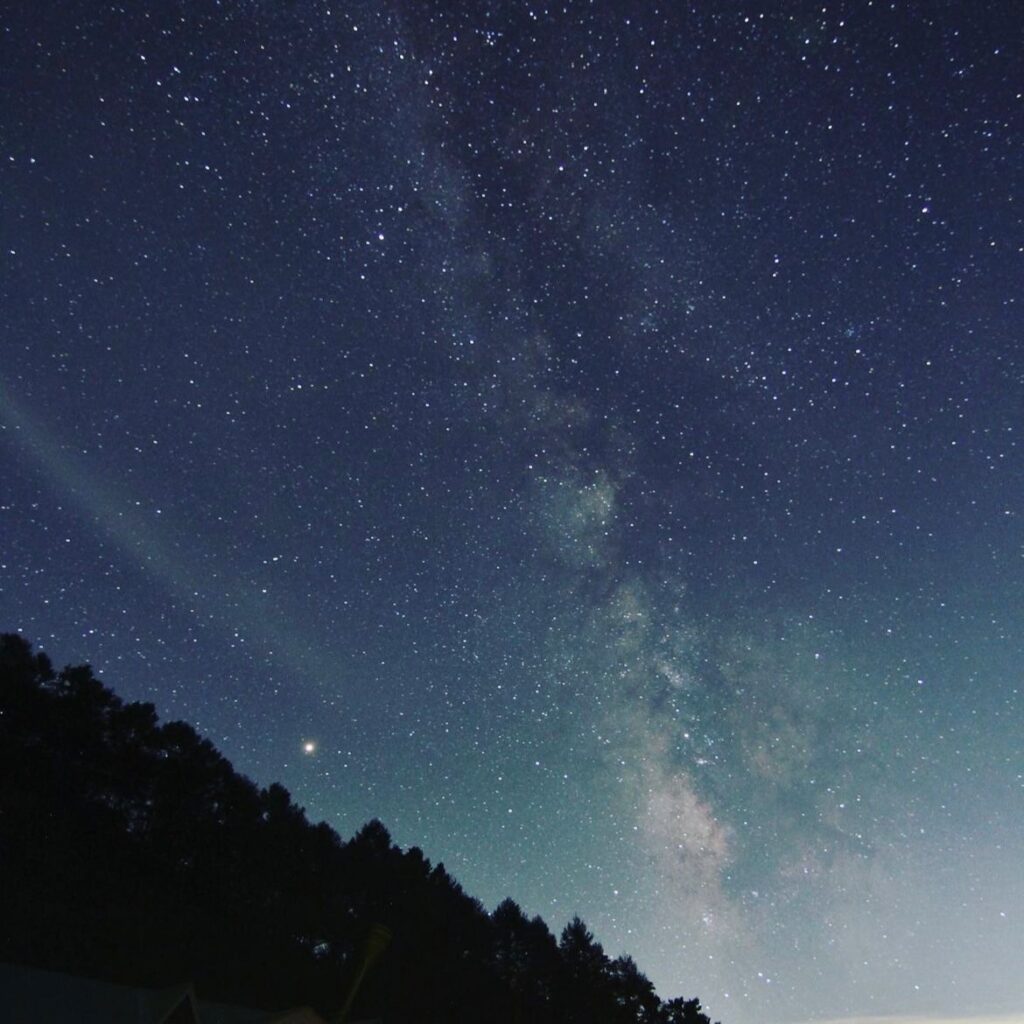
1008	1018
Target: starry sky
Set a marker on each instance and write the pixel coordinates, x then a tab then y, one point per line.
587	437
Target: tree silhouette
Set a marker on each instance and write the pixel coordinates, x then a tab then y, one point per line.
633	994
586	989
684	1011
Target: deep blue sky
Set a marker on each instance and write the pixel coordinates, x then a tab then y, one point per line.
596	426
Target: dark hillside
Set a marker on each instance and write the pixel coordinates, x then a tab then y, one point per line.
132	851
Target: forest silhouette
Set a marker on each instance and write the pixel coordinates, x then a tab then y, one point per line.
133	852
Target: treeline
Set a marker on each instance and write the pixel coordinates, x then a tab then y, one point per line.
132	851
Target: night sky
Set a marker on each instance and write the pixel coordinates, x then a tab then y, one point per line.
589	438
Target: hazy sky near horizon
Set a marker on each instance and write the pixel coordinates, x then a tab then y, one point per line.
595	428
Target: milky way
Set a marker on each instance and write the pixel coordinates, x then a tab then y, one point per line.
585	437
